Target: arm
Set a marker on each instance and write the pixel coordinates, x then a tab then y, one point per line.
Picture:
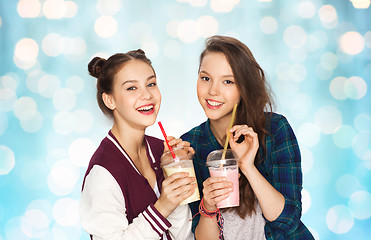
102	211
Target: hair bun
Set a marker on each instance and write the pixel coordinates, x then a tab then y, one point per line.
95	66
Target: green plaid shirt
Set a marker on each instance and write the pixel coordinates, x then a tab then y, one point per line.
281	166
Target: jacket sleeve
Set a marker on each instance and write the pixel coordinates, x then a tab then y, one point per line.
286	177
102	211
181	221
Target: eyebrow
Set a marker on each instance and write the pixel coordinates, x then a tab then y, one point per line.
134	81
225	76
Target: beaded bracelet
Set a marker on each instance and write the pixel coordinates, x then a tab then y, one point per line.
212	214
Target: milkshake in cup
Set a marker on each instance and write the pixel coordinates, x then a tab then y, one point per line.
227	167
182	163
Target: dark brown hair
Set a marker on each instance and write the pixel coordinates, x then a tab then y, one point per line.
105	71
256	99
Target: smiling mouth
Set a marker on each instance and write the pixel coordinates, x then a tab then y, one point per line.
147	109
213	104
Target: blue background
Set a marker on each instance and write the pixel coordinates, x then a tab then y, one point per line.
316	54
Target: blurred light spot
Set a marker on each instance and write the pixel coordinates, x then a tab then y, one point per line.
347	184
362	145
52	44
172	49
29	8
55	155
55	9
74	46
83	121
198	3
362	122
109	7
34	223
351	43
8	81
329	119
105	26
367	39
360	205
71	9
42	205
33	174
64	123
298	72
4	124
308	134
337	88
355	88
66	212
172	28
75	83
7	99
64	99
63	177
150	48
25	53
301	106
208	26
33	124
48	85
80	151
138	36
297	55
329	61
32	80
223	5
322	73
307	159
339	219
188	31
344	136
328	16
306	9
294	36
362	4
7	160
268	25
25	108
306	200
13	230
1	22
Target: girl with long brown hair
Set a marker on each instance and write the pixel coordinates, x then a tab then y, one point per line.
268	154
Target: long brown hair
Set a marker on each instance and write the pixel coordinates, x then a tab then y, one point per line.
105	71
256	99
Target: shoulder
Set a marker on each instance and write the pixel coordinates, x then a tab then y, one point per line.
194	133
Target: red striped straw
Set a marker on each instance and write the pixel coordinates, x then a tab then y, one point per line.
167	142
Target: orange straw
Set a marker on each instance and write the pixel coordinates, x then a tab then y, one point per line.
230	126
167	142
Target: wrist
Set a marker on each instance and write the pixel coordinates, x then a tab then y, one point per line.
248	170
162	209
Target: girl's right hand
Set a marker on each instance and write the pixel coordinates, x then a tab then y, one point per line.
215	190
175	188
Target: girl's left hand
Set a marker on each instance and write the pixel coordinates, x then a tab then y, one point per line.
247	149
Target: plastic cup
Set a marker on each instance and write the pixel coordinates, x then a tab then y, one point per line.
182	163
228	168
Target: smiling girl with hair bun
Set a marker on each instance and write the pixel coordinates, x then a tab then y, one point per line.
124	193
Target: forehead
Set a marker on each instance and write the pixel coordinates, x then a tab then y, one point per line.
215	61
134	70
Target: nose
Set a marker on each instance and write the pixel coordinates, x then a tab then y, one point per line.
213	88
145	94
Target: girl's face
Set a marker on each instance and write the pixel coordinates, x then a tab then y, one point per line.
136	98
216	88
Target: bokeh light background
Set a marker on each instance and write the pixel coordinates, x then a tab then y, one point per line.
317	55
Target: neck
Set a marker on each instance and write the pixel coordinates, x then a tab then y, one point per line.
130	138
219	128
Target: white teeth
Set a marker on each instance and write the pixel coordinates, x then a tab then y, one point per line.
146	108
213	103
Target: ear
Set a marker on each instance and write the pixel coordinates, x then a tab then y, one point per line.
109	101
